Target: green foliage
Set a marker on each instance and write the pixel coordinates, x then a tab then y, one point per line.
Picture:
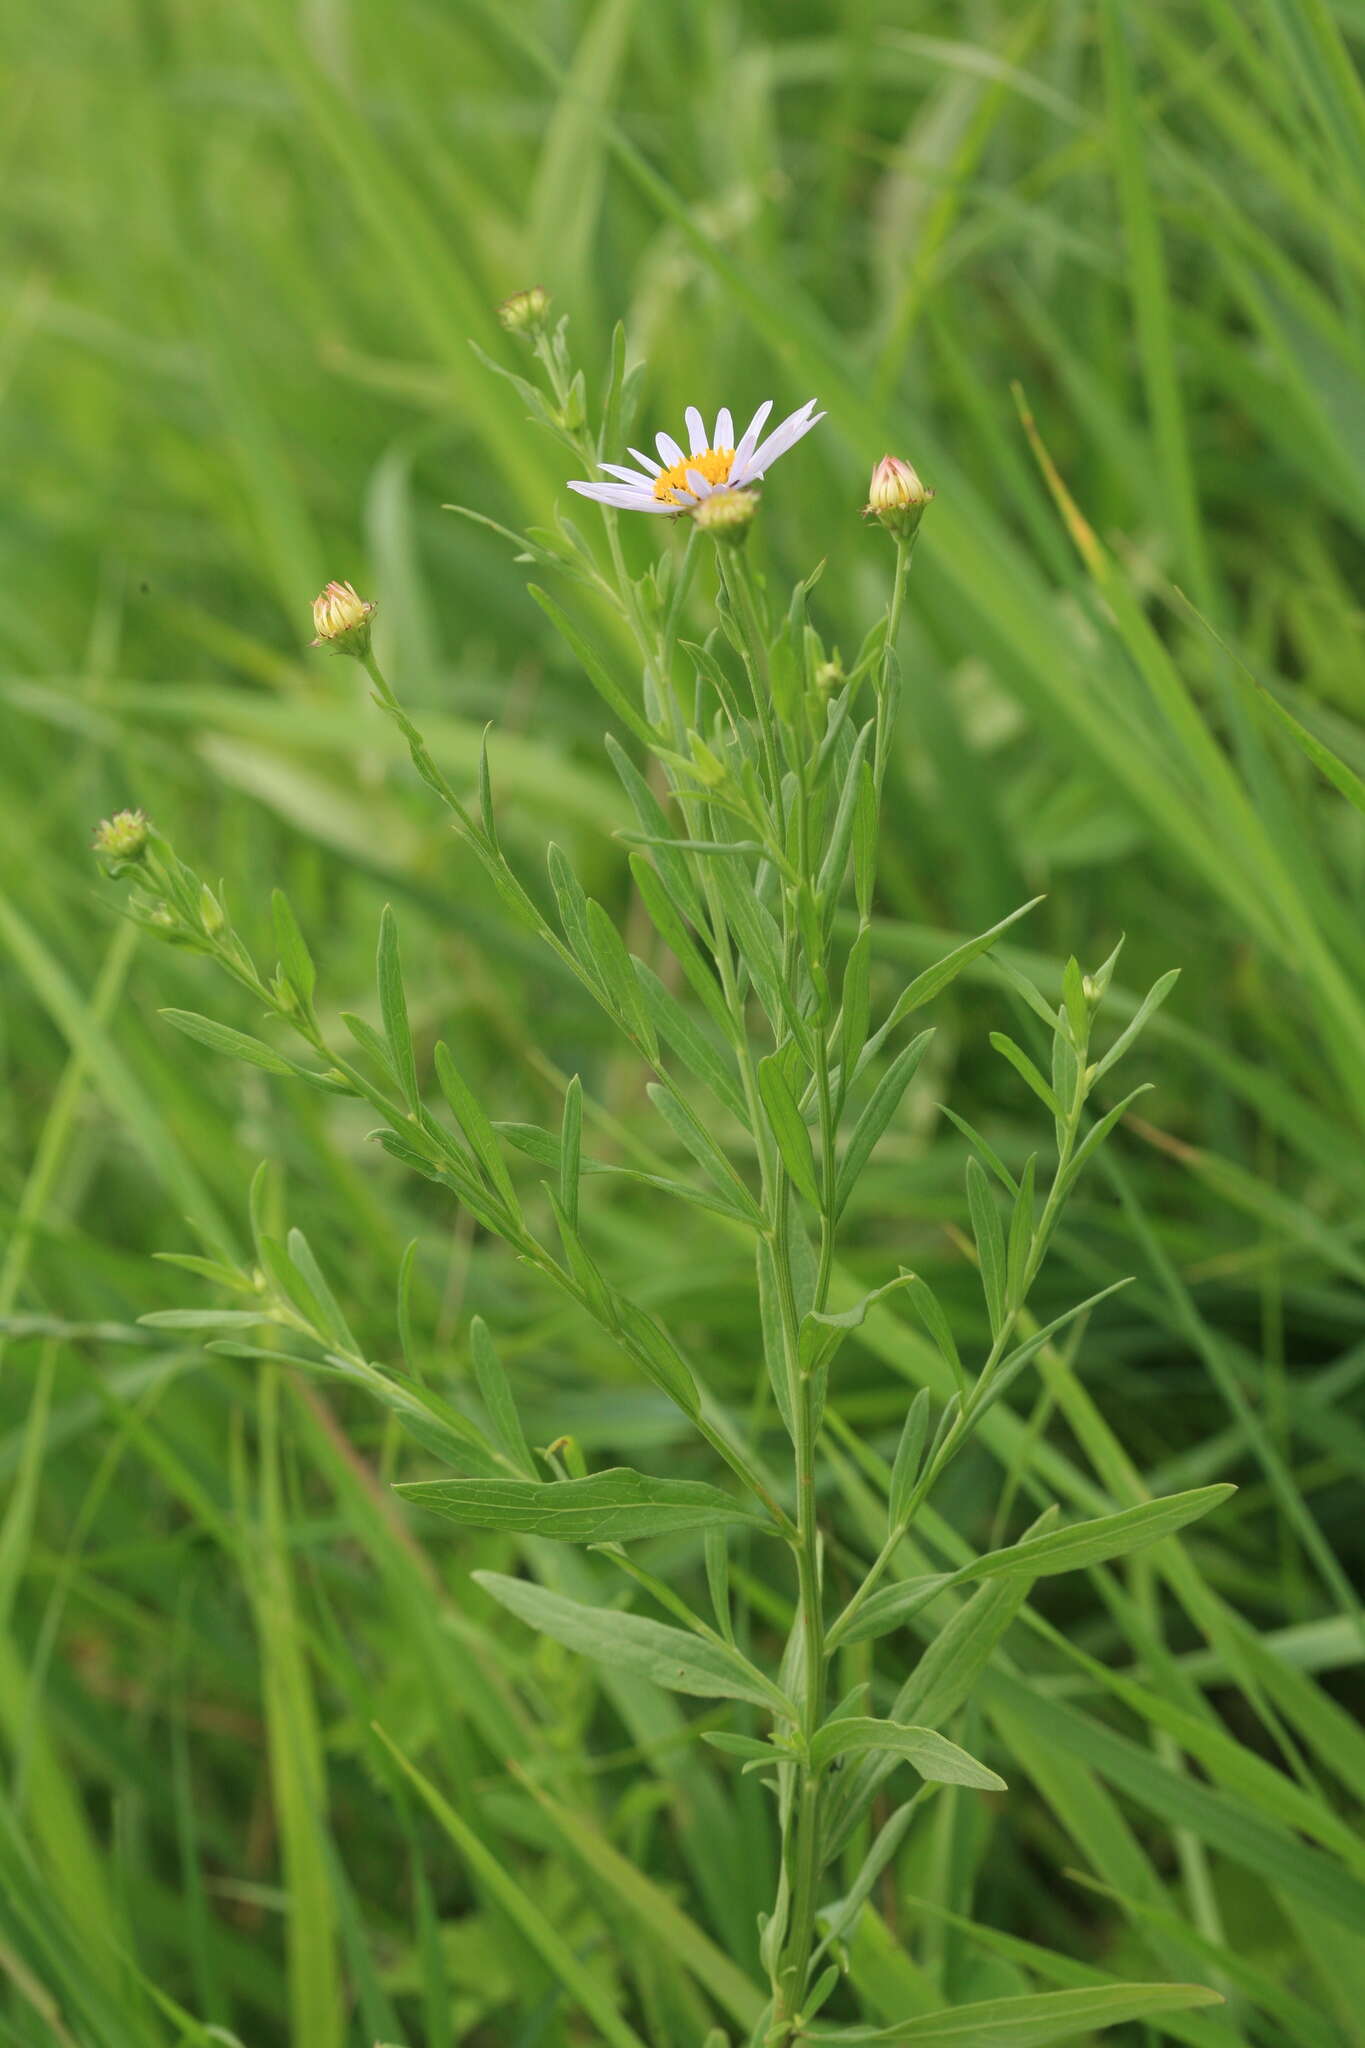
245	252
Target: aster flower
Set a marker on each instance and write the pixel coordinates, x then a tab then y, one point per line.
679	482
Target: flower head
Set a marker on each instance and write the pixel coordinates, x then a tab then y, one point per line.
680	483
343	620
896	495
121	841
525	311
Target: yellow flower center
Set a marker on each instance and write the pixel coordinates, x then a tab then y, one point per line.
713	464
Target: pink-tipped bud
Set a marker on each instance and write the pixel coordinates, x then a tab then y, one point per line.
342	620
896	496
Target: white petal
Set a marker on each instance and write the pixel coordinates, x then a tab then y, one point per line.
782	438
669	449
623	496
725	429
749	441
696	430
629	476
645	461
697	484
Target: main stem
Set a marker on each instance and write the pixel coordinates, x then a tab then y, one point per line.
801	1841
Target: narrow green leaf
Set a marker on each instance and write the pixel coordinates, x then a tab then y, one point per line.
717	1550
672	930
498	1398
1099	1131
473	1121
787	1125
655	1352
571	1149
1097	1541
855	1003
865	843
671	864
932	1755
1025	1067
616	1506
1035	2021
393	1009
927	985
884	1102
1151	1002
1020	1233
295	959
668	1657
617	973
688	1128
890	1607
236	1044
332	1323
990	1242
370	1043
909	1451
930	1312
573	909
1014	1361
690	1041
841	833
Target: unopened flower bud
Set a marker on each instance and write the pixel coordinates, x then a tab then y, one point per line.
210	911
896	496
121	841
829	675
525	311
726	514
342	620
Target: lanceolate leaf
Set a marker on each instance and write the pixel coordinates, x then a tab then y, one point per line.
909	1451
394	1009
1095	1542
1041	1556
498	1397
238	1045
990	1241
927	985
931	1754
788	1126
1032	2022
886	1098
943	1678
616	1506
630	1642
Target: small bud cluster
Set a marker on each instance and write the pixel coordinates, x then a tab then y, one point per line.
525	312
342	619
121	841
169	899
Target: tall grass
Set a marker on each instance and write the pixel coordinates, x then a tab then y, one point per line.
245	253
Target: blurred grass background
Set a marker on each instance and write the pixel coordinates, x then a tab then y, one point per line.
244	253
